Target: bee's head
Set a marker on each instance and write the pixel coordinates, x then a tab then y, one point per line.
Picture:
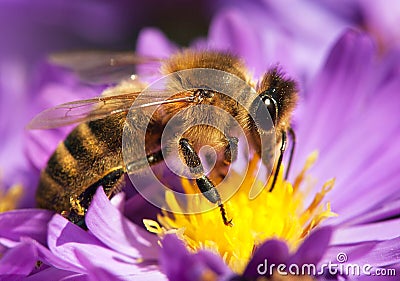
277	95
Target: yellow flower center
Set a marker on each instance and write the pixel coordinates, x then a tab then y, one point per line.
279	214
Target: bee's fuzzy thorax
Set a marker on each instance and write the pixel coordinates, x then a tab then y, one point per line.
224	61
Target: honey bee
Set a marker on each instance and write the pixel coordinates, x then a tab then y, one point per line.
91	155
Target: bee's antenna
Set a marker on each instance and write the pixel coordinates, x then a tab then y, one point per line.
278	167
293	138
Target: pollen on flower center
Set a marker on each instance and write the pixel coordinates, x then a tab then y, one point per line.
278	214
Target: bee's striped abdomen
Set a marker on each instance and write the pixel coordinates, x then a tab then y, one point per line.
82	159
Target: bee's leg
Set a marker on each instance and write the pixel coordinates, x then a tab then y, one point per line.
152	159
278	167
293	141
231	150
192	160
228	155
112	183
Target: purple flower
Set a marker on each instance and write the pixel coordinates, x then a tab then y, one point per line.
179	264
379	20
113	246
356	116
348	112
353	98
18	229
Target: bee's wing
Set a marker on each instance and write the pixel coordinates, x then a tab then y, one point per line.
100	67
100	107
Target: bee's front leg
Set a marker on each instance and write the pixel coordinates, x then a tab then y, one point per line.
207	188
229	154
279	163
282	151
231	150
292	135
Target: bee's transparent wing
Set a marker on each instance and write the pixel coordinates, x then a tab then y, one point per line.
101	67
101	107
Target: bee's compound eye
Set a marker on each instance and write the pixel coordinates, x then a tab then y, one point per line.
271	107
264	113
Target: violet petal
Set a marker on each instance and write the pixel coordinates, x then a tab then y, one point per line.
378	254
350	52
377	231
53	273
232	31
113	229
94	272
313	248
174	258
118	201
65	238
213	262
384	253
25	222
137	208
380	212
51	259
18	261
178	264
270	252
347	74
152	42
